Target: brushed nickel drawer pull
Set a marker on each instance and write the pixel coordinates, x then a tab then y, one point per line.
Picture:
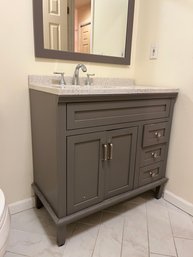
153	174
158	134
105	152
110	157
154	155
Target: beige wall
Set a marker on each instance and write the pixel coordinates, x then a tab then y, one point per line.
16	62
169	24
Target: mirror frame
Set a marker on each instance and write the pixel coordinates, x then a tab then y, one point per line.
41	52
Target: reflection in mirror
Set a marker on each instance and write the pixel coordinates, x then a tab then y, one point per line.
86	26
84	30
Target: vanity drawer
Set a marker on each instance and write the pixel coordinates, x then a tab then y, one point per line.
91	114
151	155
151	173
157	133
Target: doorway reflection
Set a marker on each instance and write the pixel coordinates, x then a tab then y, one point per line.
83	26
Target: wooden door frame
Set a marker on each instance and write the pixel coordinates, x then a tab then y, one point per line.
70	20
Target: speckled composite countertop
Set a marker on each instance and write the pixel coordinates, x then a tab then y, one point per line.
50	84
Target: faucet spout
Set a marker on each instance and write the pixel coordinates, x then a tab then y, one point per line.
75	80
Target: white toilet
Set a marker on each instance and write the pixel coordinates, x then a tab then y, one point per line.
4	224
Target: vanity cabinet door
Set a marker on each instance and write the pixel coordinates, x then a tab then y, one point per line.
85	170
121	161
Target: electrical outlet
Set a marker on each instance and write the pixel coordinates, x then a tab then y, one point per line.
153	52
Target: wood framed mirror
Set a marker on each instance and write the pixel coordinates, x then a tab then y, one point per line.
104	37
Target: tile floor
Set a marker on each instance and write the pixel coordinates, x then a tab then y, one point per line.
141	227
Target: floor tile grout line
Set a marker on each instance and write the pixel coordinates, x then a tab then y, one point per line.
19	212
17	253
190	239
123	232
45	234
181	212
147	227
33	233
162	254
178	208
171	229
100	224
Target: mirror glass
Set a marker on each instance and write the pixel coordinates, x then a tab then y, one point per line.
86	26
88	30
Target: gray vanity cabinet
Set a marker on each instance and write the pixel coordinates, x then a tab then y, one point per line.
99	165
93	151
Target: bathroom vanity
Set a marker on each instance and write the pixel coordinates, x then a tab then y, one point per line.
93	148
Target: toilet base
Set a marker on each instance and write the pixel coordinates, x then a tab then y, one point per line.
4	232
3	250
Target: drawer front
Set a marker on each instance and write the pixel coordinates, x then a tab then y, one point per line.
157	133
83	115
151	173
153	154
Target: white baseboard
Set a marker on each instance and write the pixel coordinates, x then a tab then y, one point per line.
179	202
168	196
22	205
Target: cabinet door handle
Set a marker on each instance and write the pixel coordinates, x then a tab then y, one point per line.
105	152
110	157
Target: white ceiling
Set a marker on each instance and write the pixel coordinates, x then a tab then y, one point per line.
79	3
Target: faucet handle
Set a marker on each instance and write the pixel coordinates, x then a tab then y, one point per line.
88	79
62	81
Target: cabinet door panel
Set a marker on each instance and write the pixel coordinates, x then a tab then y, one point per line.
121	163
84	171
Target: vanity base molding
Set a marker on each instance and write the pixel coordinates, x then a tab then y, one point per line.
61	223
91	152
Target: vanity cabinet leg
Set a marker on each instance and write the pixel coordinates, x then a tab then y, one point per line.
38	203
159	191
61	235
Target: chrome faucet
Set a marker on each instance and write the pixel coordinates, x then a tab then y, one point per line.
75	80
62	80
